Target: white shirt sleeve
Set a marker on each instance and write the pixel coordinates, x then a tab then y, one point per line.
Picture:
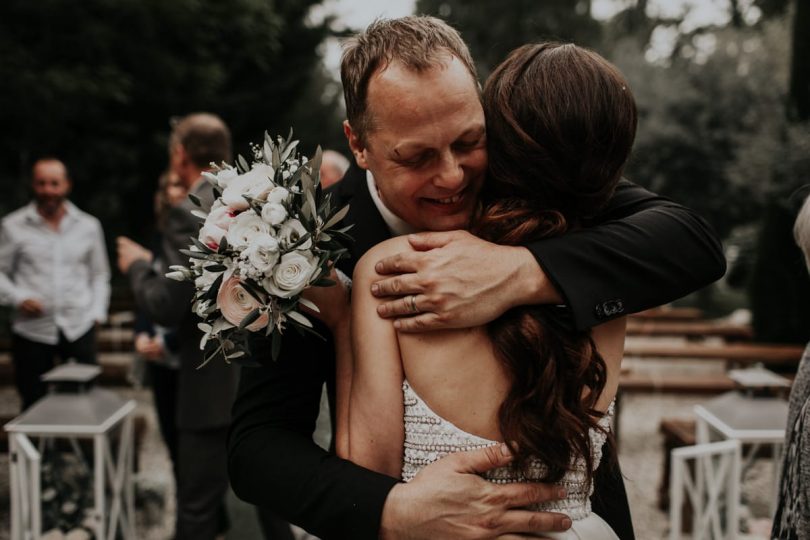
100	276
10	294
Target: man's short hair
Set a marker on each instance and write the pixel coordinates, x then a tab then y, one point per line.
204	137
417	42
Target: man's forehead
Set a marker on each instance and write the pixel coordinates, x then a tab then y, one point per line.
50	168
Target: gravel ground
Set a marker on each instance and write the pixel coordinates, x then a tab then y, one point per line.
640	454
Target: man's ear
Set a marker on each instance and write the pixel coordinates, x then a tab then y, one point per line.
355	144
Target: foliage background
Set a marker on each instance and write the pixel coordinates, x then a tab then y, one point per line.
723	106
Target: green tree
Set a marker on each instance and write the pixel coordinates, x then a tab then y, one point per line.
493	29
96	82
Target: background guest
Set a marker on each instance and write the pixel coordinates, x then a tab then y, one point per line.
333	166
156	345
54	272
204	396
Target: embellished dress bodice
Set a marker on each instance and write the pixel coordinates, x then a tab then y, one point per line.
429	437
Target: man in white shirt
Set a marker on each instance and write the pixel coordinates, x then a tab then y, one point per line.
55	273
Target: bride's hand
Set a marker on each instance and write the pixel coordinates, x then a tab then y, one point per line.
333	301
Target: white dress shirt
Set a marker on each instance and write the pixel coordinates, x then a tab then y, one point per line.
66	270
396	225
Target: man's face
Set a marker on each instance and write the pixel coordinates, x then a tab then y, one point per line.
427	144
51	185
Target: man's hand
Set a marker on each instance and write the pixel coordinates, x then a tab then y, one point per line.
30	308
130	251
448	499
456	280
149	347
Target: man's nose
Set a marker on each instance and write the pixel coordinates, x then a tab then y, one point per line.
450	174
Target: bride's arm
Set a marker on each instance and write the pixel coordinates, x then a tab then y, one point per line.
375	419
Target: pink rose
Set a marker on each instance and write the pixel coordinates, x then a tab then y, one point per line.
211	235
236	303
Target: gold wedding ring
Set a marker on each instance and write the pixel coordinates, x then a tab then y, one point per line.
413	304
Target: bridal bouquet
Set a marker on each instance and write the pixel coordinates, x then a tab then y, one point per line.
269	234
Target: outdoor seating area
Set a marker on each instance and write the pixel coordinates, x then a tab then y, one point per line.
714	451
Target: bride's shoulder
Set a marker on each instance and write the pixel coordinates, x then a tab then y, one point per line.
392	246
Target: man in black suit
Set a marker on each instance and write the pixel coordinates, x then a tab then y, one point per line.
204	395
424	166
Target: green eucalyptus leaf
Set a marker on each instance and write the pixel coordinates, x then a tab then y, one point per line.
250	318
275	345
243	164
315	165
337	218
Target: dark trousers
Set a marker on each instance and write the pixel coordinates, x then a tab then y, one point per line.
164	392
202	482
32	359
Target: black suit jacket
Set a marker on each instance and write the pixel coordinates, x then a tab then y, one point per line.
623	266
204	395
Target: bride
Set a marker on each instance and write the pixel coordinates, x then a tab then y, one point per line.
560	125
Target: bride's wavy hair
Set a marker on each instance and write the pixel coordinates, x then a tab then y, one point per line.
560	125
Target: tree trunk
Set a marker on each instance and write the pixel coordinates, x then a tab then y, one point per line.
799	98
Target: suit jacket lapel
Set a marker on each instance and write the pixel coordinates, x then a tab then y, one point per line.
369	227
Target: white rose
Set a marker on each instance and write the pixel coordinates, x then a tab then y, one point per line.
278	195
245	229
225	176
274	213
221	216
262	253
291	232
292	275
255	183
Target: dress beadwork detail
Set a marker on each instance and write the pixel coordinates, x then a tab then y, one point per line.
429	437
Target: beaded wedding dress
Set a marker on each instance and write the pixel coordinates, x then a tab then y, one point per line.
429	437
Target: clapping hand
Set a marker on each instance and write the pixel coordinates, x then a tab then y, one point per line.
130	251
149	347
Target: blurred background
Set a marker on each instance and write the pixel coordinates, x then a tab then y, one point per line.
722	87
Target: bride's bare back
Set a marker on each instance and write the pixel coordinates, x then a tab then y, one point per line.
456	372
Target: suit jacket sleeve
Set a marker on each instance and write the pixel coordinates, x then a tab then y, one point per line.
272	459
166	301
646	251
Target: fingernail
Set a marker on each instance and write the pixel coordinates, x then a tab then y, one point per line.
505	452
375	288
378	267
381	310
397	324
566	523
562	493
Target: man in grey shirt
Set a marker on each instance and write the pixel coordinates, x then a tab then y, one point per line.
55	273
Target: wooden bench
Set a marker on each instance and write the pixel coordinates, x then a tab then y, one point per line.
669	314
689	329
633	383
734	353
677	432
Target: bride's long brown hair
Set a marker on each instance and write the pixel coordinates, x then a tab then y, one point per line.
560	125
